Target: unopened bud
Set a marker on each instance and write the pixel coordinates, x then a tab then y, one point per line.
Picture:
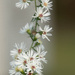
37	35
20	69
39	41
28	31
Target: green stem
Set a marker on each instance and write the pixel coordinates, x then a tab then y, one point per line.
31	45
34	49
35	27
36	19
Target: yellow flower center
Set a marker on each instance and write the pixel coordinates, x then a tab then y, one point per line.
17	69
28	31
39	41
24	1
16	57
45	4
20	69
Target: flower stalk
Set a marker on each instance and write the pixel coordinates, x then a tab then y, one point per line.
31	45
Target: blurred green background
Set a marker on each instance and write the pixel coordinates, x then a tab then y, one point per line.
65	37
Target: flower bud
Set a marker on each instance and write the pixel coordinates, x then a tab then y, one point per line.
37	35
17	69
21	70
39	41
28	31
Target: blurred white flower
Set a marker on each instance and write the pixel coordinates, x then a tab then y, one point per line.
31	55
46	4
42	14
29	61
34	67
14	71
27	28
45	32
18	50
23	4
41	54
21	62
25	58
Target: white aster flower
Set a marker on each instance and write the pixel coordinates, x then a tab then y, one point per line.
45	32
25	58
18	50
27	28
23	4
31	55
46	4
34	67
22	61
42	14
14	71
41	54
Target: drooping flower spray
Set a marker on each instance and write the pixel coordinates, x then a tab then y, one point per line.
29	61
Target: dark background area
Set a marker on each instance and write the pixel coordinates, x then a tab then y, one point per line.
65	37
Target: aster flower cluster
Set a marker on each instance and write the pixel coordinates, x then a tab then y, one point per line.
30	61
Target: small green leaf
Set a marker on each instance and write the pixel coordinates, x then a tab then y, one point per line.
40	32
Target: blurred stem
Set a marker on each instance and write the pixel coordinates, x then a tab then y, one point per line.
31	45
34	49
35	26
36	19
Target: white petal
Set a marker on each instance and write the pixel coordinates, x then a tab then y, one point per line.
47	38
40	29
48	34
47	14
49	29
